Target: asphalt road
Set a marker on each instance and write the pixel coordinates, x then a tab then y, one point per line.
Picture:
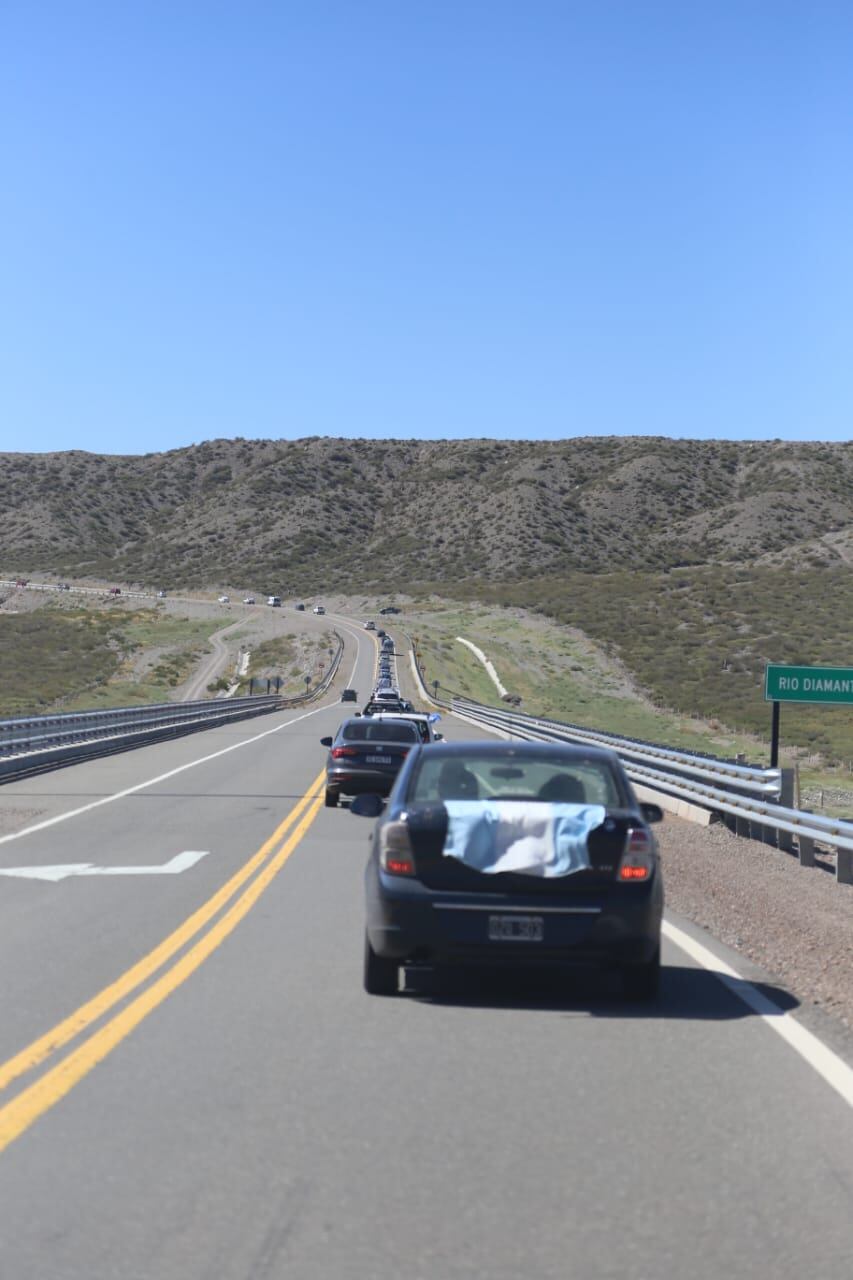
234	1107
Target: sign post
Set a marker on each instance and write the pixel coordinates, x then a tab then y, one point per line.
832	686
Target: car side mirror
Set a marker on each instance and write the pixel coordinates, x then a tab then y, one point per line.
652	812
367	806
438	737
325	742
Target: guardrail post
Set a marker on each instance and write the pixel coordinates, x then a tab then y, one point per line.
844	866
805	846
784	839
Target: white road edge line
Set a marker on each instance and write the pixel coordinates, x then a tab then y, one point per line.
820	1057
151	782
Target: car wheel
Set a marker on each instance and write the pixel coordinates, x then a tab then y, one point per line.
642	981
331	799
380	975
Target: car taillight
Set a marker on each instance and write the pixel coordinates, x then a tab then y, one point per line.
339	752
638	859
395	850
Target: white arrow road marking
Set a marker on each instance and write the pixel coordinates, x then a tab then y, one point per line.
180	862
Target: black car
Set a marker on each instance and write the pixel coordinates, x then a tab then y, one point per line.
477	907
388	609
365	755
349	695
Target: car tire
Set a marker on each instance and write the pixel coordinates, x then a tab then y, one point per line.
641	982
331	799
381	976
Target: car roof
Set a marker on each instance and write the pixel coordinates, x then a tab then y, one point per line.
404	715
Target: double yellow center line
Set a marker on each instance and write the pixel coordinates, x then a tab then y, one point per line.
18	1114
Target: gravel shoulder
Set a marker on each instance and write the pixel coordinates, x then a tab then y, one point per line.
795	922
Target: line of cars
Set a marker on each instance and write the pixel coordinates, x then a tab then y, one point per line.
497	854
368	750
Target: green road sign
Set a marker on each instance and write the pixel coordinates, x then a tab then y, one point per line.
808	684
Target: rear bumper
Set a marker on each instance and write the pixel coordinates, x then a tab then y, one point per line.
356	782
408	922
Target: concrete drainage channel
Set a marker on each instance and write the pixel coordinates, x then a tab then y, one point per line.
39	743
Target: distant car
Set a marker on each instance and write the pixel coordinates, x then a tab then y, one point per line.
273	602
224	600
365	755
349	695
22	582
385	693
387	645
319	608
248	599
370	626
300	607
161	595
63	586
114	591
437	893
380	633
388	609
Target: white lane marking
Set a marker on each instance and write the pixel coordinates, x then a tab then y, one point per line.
163	777
820	1057
174	867
58	872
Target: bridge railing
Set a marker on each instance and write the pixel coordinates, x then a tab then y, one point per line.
35	743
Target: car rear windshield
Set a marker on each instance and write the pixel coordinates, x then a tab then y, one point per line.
542	777
421	727
379	731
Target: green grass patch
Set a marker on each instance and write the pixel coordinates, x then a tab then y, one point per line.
49	653
72	658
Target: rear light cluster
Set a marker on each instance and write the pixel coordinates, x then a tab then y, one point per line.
638	859
396	855
338	753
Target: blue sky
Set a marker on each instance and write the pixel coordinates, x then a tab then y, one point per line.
424	218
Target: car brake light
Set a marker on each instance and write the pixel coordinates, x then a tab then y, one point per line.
339	752
395	850
637	860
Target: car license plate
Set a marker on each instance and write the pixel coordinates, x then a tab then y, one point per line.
516	928
379	759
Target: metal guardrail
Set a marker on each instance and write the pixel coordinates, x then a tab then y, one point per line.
37	743
746	779
747	794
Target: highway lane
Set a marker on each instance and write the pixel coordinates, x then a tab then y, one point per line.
64	941
269	1119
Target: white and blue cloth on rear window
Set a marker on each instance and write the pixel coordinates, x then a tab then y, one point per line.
532	838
